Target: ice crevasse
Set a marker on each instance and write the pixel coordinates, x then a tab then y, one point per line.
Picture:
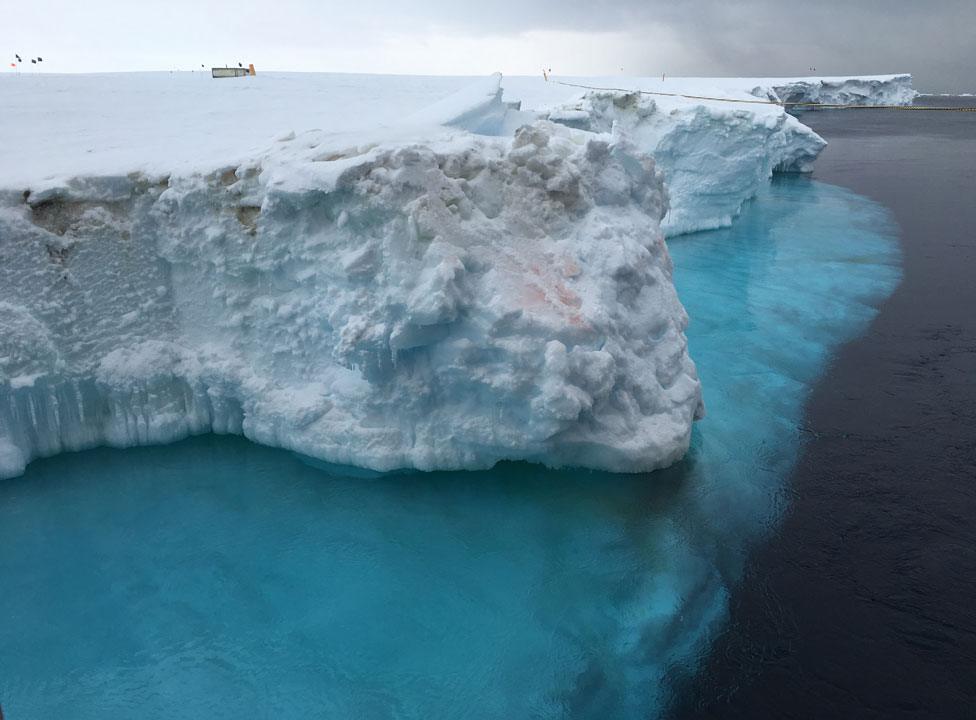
480	283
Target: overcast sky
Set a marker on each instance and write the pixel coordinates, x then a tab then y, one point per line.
933	39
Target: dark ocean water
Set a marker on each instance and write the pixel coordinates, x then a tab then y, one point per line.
864	603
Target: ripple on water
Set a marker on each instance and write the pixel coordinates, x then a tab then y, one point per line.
218	579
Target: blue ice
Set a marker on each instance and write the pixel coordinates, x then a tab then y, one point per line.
218	579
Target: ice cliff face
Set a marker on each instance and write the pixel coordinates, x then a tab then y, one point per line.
870	90
439	304
715	154
714	157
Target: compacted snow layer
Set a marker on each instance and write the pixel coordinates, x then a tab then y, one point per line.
450	273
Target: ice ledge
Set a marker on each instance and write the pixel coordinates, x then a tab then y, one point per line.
443	303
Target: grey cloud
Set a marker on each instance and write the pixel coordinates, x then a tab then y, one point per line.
931	39
757	37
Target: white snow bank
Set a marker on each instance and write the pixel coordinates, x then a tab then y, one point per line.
63	126
437	304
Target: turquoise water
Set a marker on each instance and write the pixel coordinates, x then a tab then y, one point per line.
218	579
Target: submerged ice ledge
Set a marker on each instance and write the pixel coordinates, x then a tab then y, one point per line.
447	294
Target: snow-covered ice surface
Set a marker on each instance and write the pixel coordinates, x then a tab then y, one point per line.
400	279
58	126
